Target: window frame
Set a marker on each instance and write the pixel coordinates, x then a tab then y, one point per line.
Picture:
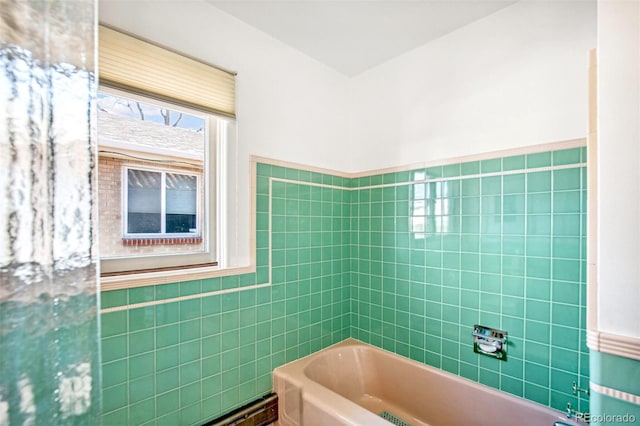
214	215
163	205
137	64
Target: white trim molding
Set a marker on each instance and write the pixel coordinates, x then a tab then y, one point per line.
628	347
615	393
181	298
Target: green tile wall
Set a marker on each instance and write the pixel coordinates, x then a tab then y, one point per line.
408	267
186	362
499	242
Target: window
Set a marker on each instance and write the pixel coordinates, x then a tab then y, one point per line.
156	167
160	203
171	181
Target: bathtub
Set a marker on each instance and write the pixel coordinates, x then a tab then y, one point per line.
353	383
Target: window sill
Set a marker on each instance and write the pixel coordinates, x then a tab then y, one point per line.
130	280
136	242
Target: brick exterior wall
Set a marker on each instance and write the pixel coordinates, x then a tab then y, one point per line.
111	241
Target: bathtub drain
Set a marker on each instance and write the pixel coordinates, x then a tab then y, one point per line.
393	419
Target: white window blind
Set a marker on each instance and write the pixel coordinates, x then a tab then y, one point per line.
132	64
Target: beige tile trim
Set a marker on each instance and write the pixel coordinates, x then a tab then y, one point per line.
628	347
532	149
615	393
181	298
301	182
298	166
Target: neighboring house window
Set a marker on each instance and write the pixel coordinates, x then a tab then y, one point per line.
160	203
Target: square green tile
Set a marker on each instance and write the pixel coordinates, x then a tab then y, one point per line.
190	372
565	337
167	380
567	156
536	374
514	184
141	318
167	403
564	359
567	225
566	270
116	418
190	287
142	412
538	331
189	351
538	289
470	168
141	365
190	415
538	224
567	179
141	341
539	203
141	389
542	159
491	185
113	298
113	323
517	162
567	202
167	291
141	294
115	397
538	310
451	170
114	348
470	187
167	335
566	292
539	182
114	373
167	313
190	394
190	330
491	166
537	352
168	357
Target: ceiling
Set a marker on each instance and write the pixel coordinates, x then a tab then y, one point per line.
352	36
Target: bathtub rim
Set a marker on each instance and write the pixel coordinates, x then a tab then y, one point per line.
295	371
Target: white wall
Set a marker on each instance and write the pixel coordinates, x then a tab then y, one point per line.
515	78
619	171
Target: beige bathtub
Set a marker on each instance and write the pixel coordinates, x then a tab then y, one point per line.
351	383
